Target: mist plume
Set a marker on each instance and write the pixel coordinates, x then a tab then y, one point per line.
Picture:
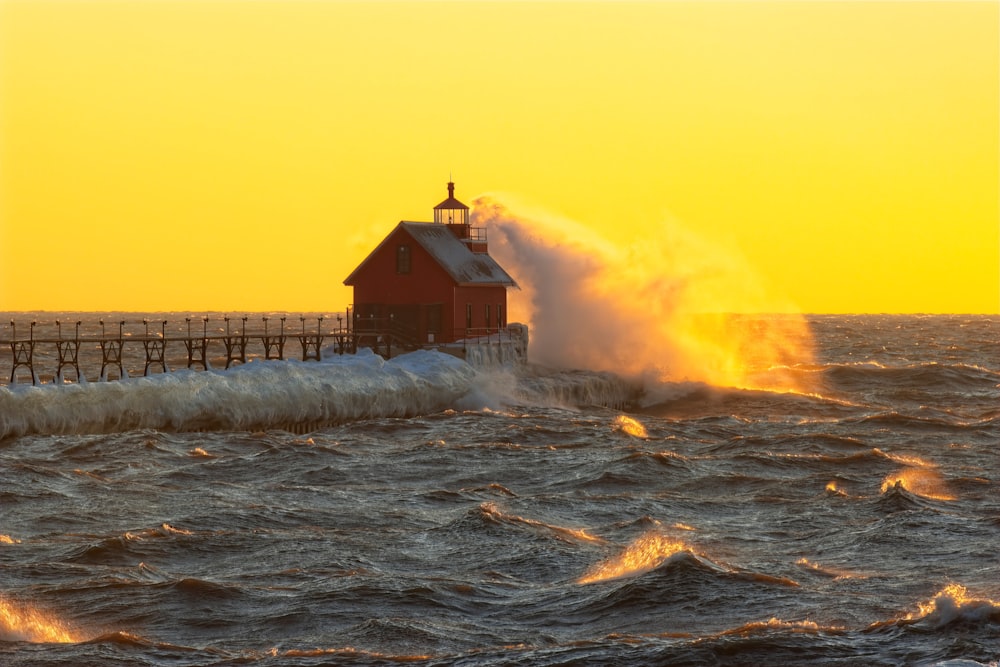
663	309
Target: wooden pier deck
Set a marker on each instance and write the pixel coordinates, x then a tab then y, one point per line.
145	343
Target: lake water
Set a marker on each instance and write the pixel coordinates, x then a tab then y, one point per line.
451	518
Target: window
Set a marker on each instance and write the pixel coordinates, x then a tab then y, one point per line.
403	259
488	309
500	324
468	316
434	318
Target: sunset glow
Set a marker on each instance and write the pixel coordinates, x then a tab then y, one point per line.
630	426
921	481
659	309
22	622
645	553
235	156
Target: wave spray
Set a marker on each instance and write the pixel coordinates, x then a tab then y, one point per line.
664	309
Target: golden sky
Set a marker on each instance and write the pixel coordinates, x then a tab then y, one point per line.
231	155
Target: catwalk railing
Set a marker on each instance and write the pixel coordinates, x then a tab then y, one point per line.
122	347
61	352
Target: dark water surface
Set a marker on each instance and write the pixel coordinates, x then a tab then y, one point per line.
718	527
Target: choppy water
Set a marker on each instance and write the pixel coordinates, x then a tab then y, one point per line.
860	525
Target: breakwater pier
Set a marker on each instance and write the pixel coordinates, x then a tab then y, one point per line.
42	348
111	348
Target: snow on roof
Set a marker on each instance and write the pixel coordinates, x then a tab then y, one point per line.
454	256
465	267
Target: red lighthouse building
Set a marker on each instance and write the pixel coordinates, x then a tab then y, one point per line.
431	282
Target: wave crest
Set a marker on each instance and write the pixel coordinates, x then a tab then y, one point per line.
954	604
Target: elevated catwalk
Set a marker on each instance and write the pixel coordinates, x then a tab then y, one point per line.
238	343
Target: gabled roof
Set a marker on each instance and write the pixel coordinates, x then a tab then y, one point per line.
465	267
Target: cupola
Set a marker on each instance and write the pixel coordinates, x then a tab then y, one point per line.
451	211
455	215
